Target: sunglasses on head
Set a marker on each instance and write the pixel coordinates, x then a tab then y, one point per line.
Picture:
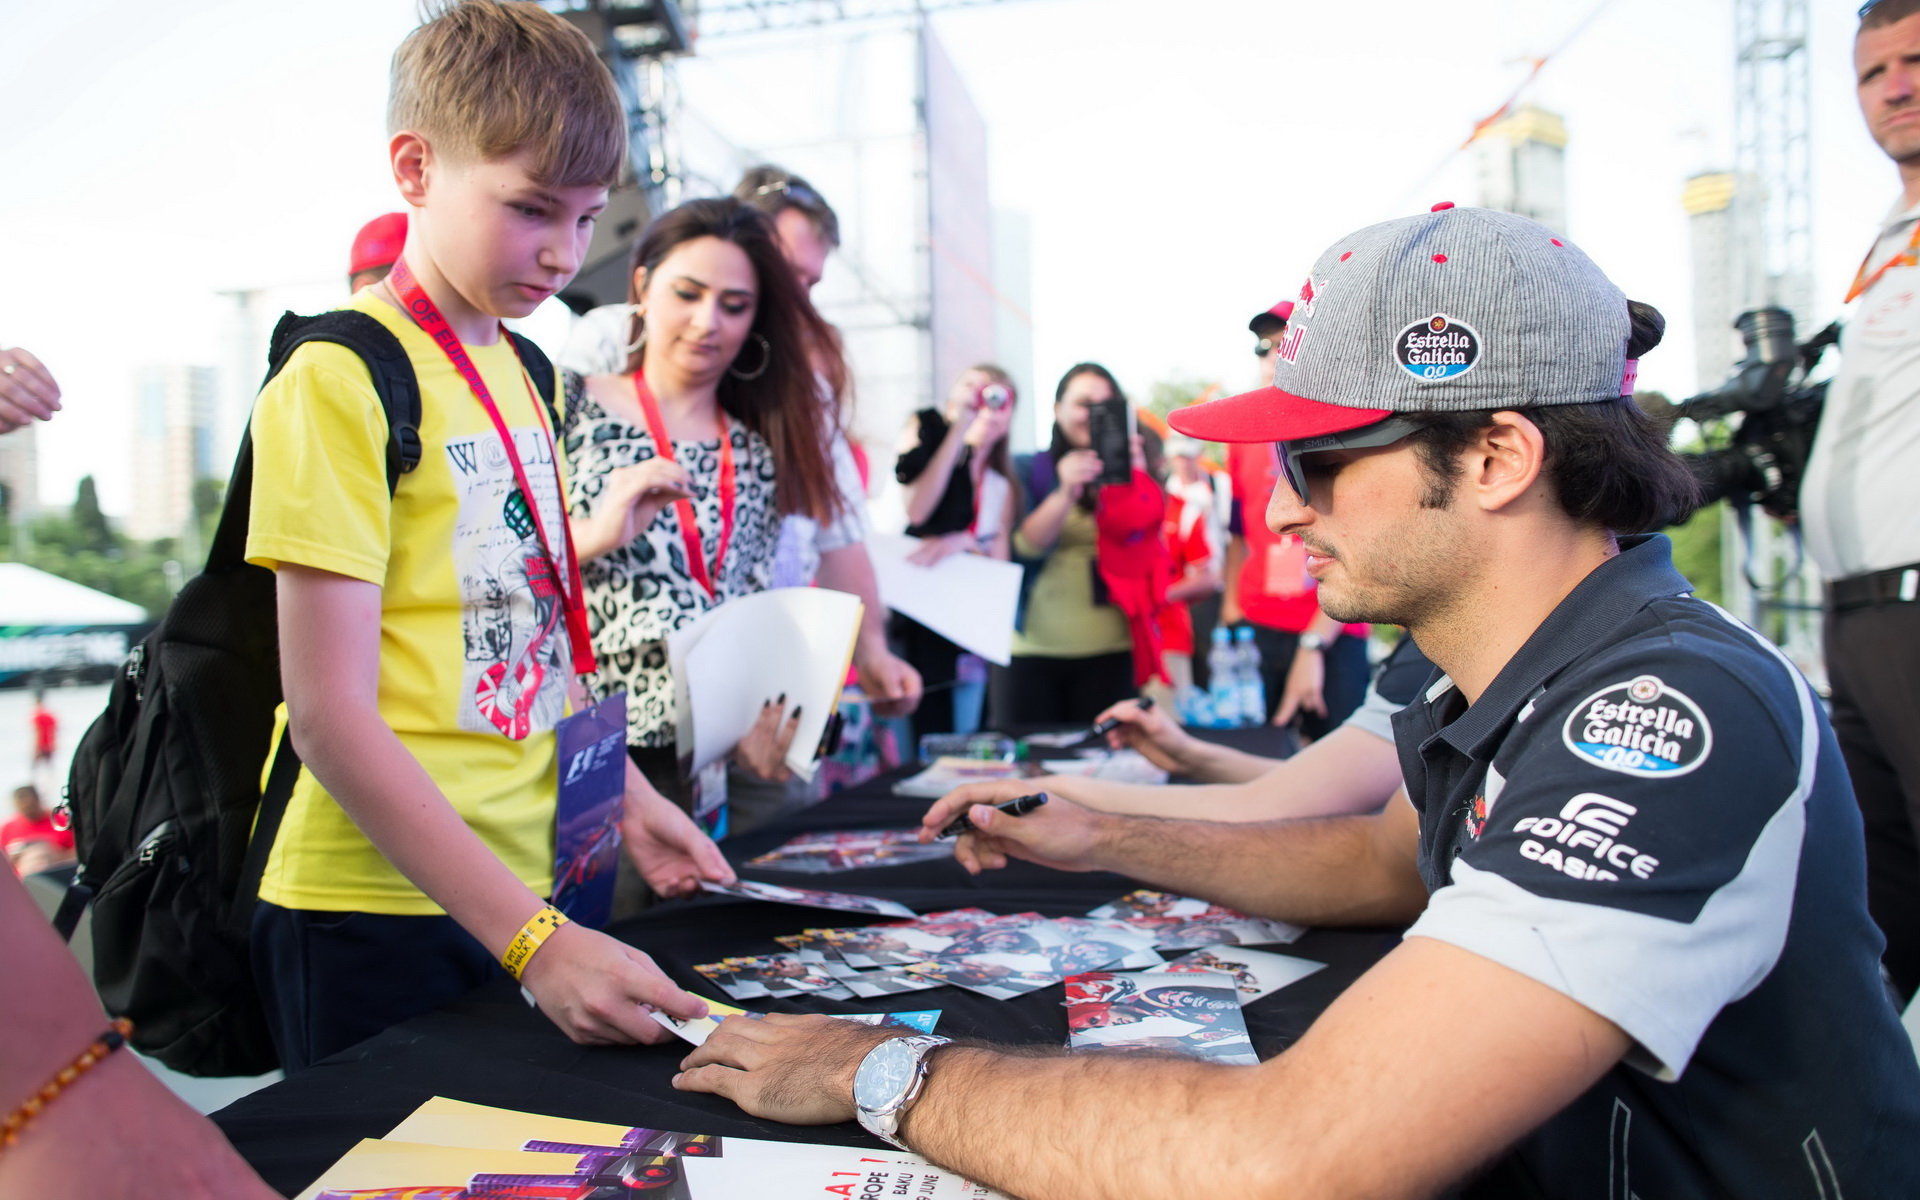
1367	437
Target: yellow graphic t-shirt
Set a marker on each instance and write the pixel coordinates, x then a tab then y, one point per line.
473	642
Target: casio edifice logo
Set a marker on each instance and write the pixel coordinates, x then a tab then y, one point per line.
1584	840
1639	727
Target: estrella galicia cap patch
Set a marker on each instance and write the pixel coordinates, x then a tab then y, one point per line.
1639	727
1437	349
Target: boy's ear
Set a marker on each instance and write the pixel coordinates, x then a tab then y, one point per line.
411	157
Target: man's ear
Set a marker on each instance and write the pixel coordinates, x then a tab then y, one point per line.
1507	461
412	158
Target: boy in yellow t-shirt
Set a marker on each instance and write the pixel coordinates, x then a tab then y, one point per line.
424	650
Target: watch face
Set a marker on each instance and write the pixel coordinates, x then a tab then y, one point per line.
885	1073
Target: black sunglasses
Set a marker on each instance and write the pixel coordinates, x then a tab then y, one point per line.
1367	437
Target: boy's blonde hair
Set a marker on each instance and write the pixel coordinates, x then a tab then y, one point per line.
485	79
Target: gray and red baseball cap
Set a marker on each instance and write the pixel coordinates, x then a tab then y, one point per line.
1453	310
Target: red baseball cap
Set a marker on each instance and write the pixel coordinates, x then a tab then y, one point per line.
378	243
1261	415
1272	318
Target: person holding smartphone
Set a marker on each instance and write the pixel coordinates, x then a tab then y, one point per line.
961	498
1084	634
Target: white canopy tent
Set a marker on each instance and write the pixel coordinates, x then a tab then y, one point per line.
29	596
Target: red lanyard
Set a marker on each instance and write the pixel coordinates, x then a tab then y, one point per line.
420	307
1909	257
689	523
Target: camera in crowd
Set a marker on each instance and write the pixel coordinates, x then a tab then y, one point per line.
995	396
1766	453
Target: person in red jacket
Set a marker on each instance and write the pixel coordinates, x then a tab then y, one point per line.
1314	668
31	833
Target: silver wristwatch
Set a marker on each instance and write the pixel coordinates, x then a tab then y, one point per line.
1312	641
889	1081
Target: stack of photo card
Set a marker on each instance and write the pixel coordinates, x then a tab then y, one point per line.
998	956
748	889
771	976
851	849
1183	923
699	1029
1192	1014
1255	973
451	1150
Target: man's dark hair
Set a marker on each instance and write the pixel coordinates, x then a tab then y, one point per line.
1608	463
1886	12
773	190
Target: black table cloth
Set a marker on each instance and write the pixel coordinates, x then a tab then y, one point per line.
493	1048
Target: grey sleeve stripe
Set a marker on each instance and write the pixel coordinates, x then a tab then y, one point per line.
1661	981
1375	715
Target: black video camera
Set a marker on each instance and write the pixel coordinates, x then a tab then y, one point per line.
1765	455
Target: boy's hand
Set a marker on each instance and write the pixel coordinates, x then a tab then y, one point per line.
1059	834
597	989
1157	737
668	849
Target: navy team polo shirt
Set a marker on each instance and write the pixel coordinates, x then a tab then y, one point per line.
1646	811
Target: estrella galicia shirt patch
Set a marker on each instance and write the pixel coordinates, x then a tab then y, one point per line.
1438	348
1639	727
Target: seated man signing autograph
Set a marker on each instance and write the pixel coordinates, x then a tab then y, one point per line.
1639	963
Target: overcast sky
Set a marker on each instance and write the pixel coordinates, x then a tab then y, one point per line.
1178	175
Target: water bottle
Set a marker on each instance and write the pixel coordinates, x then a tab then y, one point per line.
1253	690
1196	712
1223	680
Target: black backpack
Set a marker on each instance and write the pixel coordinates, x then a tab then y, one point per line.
165	785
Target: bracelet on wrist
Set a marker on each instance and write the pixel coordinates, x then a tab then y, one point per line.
95	1053
531	937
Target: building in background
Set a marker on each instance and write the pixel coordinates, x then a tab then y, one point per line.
173	445
20	472
1522	162
1709	199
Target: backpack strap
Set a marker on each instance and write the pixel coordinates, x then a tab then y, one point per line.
540	370
393	382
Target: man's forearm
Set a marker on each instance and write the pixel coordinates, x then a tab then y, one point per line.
1195	802
1312	871
1096	1126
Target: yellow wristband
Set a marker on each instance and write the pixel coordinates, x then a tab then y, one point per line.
530	938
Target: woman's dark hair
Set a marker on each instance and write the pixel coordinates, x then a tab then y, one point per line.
783	404
1059	444
1608	462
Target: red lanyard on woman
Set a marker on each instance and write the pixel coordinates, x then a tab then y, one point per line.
415	302
689	523
1908	257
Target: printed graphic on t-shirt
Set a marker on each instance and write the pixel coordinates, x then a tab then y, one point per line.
513	615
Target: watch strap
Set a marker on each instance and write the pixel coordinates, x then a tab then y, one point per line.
884	1123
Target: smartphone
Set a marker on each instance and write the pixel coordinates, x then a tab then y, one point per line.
1110	429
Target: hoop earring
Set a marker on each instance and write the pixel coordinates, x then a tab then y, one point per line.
766	360
635	319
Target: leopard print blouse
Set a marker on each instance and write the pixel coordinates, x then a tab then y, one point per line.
641	592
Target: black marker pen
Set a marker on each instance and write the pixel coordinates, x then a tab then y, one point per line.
1103	728
1019	806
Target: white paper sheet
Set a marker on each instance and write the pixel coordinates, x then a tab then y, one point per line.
796	641
966	598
